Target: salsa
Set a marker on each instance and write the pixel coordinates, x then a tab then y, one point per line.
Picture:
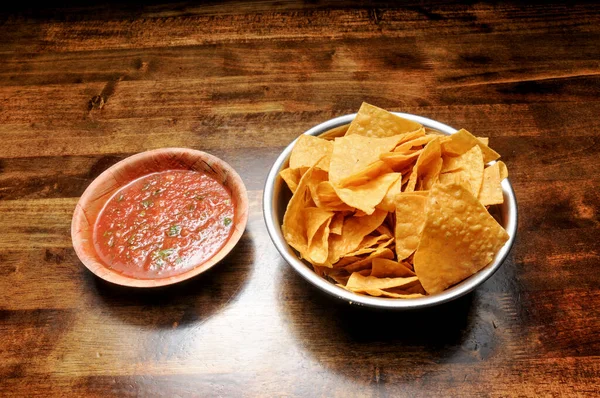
164	224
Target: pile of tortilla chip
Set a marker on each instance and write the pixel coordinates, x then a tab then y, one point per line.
390	209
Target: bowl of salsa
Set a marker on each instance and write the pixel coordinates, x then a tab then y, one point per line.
159	217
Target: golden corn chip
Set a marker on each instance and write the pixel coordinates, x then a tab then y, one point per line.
384	230
293	228
385	293
371	121
314	218
503	170
318	244
353	232
384	268
484	140
415	142
291	178
467	167
410	219
367	174
382	242
310	151
326	198
430	154
336	223
414	288
358	282
429	174
459	238
365	262
353	153
365	197
491	189
399	160
461	141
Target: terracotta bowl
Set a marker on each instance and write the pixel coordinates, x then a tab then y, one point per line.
102	188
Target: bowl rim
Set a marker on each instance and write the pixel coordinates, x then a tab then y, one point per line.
100	269
270	214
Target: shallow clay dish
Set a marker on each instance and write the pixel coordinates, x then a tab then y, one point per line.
102	188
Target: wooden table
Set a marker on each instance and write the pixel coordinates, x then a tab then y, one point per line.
85	86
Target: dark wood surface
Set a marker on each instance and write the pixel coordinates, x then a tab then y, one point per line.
87	84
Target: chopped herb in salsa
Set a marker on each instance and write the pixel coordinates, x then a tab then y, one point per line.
174	230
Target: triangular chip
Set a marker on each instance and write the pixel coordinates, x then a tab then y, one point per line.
293	228
459	238
353	153
337	222
365	197
468	168
371	121
491	189
461	141
371	244
291	178
410	219
367	174
314	218
318	245
353	232
399	160
310	151
430	155
358	282
363	263
415	142
503	170
384	268
324	196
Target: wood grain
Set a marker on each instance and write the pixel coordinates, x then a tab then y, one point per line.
84	85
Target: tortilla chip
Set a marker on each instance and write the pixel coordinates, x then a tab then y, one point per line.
410	219
365	262
314	218
336	224
353	232
384	268
429	174
467	167
430	154
366	197
381	242
491	189
371	121
293	228
367	174
318	243
326	198
459	238
461	141
291	178
416	142
310	151
353	153
357	282
503	170
399	160
484	140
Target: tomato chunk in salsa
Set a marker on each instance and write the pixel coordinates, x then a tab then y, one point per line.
164	224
